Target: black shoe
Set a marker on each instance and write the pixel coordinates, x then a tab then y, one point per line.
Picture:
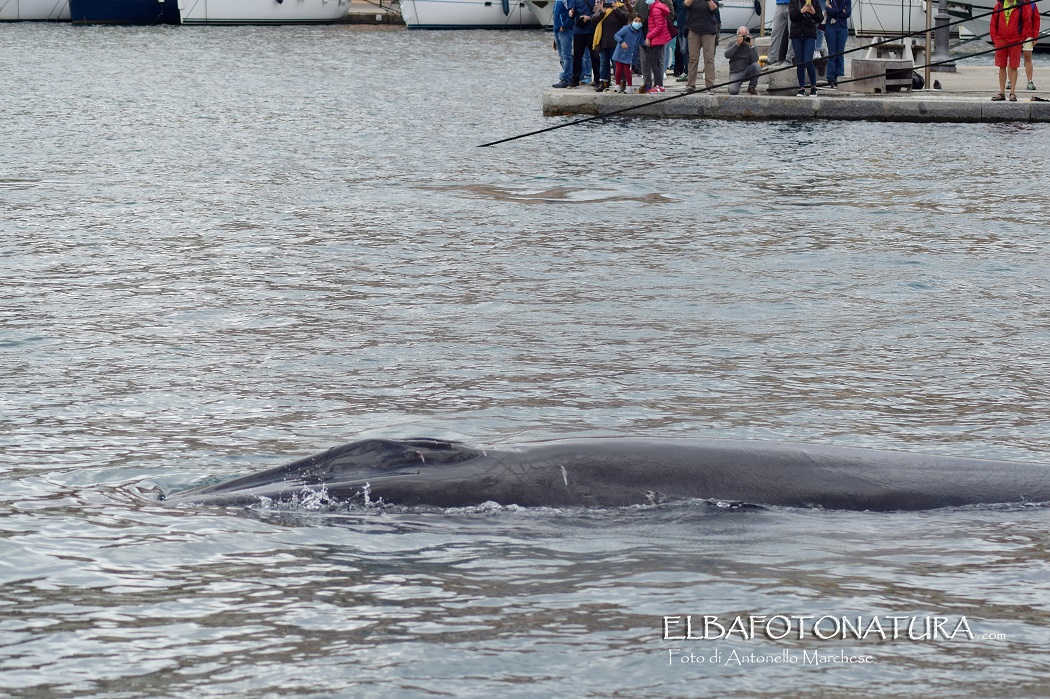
560	84
574	83
812	90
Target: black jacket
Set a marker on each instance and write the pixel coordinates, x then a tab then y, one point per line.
804	24
613	22
701	19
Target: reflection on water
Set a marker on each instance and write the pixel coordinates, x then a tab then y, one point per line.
228	247
571	195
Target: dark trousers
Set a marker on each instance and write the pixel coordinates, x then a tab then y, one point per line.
803	47
581	43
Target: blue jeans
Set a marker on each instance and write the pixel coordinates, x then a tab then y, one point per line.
563	40
803	47
836	35
605	65
820	32
683	49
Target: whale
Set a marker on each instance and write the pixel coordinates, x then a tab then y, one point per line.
606	472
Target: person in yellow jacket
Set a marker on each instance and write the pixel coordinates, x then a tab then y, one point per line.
615	15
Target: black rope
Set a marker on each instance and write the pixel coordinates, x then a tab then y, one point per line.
660	100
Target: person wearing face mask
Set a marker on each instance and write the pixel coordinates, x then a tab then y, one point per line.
628	39
656	39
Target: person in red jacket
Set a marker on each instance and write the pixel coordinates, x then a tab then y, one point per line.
658	37
1009	30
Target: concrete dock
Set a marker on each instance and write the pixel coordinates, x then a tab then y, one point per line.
373	12
965	96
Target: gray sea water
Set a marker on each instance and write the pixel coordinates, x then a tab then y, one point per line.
225	248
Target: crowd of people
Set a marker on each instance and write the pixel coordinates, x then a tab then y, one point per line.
606	42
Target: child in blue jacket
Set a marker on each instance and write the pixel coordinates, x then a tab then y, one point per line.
627	41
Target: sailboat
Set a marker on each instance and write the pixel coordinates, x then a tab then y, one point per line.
467	14
262	11
894	17
34	10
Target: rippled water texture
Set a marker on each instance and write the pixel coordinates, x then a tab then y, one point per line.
223	248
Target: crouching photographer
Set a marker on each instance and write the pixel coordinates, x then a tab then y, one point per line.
743	63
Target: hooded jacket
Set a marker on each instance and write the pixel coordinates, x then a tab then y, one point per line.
633	38
803	24
1010	22
658	34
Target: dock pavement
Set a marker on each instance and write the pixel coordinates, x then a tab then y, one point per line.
373	12
964	96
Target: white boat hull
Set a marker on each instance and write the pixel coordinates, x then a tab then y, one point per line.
889	17
261	11
542	11
740	13
34	10
466	14
981	27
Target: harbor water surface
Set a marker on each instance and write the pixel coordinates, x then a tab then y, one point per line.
226	248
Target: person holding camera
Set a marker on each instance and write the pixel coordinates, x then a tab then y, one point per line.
614	15
743	63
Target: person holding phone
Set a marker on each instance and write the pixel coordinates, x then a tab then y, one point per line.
805	17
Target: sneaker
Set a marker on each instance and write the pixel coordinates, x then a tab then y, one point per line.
683	77
801	93
1007	84
813	92
1030	86
658	88
689	90
560	84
